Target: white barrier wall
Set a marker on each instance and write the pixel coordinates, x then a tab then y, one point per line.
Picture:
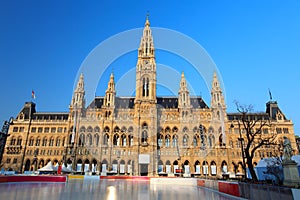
174	181
296	193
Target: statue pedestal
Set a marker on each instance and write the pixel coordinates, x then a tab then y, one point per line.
290	172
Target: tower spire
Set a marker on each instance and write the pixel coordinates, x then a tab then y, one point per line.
79	92
146	48
110	93
218	108
217	98
147	23
146	67
183	93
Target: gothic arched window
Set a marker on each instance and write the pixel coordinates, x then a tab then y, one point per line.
130	140
57	143
174	141
144	136
195	140
38	141
124	140
31	140
51	141
81	140
210	140
168	141
96	138
145	87
105	139
185	140
90	139
19	141
116	140
160	140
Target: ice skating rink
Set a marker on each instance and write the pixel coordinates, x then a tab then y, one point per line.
106	190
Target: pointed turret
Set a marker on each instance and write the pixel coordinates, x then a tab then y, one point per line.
217	98
218	108
110	94
78	96
183	94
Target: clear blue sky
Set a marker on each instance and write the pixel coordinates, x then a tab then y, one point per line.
255	45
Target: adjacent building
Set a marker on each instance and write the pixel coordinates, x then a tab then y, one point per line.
145	134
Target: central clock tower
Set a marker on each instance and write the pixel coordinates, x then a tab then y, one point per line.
145	104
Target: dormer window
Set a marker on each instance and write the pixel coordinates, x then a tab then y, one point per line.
279	116
21	116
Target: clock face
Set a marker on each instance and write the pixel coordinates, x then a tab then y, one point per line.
147	64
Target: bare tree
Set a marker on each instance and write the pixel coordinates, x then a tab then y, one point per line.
254	137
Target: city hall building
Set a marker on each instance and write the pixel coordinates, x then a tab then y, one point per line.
140	135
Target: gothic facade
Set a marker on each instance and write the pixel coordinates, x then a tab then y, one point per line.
140	135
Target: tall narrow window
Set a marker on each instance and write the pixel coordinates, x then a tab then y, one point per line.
19	141
130	140
147	47
30	142
81	140
13	141
51	142
57	142
124	140
195	141
106	138
90	140
44	142
174	141
160	140
38	141
144	87
147	87
167	141
185	140
144	136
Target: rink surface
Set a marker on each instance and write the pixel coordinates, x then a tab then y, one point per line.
106	189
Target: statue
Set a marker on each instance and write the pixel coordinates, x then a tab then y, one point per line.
287	149
290	170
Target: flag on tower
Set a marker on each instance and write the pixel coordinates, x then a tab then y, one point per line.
32	94
270	94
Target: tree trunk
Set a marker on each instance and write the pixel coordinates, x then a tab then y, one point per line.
251	169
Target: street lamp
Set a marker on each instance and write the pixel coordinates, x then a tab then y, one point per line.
3	136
